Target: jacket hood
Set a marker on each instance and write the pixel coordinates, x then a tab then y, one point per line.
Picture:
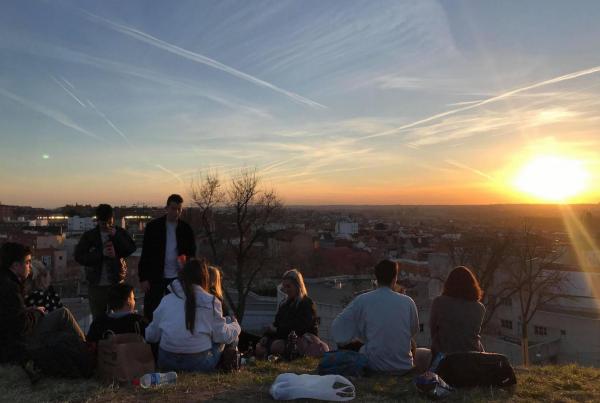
203	298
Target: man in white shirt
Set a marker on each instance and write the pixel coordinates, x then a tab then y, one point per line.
384	321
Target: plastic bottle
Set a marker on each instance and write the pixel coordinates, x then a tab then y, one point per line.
157	379
292	347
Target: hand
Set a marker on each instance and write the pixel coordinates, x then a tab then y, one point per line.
113	231
39	309
145	286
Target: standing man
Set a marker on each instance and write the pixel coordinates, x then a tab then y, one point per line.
102	251
168	242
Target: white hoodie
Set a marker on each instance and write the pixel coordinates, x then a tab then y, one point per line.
168	324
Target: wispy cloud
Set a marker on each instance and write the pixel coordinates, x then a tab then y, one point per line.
556	80
468	168
69	92
173	174
50	113
110	123
198	58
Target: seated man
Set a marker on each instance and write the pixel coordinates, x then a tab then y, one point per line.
29	332
385	322
121	318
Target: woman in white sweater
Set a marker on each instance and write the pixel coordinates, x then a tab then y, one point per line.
189	323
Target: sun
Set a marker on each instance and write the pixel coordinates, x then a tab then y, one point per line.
551	178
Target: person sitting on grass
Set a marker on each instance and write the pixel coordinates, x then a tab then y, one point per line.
189	324
457	315
41	292
386	323
298	314
121	318
32	336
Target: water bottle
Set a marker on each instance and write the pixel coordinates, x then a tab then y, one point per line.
292	346
157	378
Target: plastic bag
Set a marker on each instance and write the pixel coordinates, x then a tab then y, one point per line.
290	386
432	385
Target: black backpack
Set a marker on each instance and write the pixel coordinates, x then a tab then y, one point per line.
476	369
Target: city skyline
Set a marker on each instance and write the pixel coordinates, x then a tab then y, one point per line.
413	102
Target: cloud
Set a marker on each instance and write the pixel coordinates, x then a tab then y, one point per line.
110	123
468	168
555	80
50	113
69	92
198	58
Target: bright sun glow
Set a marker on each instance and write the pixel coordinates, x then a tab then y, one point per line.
552	178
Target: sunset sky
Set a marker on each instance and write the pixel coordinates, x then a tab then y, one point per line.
334	102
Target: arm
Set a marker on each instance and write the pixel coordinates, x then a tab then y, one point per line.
305	321
433	319
223	332
86	252
146	257
344	328
153	332
123	244
414	319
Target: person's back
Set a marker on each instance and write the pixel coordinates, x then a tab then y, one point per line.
455	324
383	320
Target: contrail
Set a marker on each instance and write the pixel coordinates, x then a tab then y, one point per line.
196	57
54	115
555	80
68	91
468	168
170	173
110	123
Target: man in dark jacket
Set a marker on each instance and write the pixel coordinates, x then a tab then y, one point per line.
26	329
102	251
168	243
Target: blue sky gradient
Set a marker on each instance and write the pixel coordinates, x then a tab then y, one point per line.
375	102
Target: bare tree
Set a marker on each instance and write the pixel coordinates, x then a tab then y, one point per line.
486	255
534	279
207	194
236	218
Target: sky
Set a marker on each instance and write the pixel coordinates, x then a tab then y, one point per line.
332	102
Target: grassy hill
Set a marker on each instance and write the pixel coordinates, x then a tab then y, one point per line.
550	383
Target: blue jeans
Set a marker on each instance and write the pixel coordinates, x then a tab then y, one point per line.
205	361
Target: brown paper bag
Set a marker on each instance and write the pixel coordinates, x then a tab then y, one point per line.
124	357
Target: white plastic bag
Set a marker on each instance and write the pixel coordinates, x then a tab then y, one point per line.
290	386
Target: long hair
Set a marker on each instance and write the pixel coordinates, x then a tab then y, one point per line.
215	282
296	277
462	283
194	272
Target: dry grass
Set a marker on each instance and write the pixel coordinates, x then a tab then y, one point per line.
552	384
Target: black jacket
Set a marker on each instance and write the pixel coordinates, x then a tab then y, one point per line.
124	324
89	253
15	321
152	262
300	317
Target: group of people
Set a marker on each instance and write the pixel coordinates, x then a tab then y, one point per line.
187	319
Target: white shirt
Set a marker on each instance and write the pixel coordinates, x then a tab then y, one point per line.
168	324
171	264
385	321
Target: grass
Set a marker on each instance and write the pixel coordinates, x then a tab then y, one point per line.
568	383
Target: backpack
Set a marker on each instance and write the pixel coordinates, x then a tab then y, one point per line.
342	362
476	369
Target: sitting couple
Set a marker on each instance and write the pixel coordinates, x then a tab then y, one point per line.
385	323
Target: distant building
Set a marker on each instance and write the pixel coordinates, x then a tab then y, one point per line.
80	224
346	228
